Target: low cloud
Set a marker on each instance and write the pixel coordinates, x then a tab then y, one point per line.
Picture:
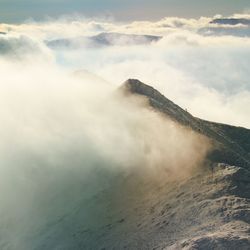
66	138
64	132
194	61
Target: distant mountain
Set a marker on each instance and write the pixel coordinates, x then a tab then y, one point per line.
231	21
225	31
227	27
102	40
124	39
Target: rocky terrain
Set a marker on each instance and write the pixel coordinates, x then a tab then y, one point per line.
208	209
231	144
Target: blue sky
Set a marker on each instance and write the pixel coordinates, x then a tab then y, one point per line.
19	10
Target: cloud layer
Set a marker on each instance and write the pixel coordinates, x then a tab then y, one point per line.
66	135
200	64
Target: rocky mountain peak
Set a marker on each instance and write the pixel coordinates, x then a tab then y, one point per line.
231	143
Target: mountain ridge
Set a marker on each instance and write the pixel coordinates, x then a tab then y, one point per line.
206	209
231	21
228	147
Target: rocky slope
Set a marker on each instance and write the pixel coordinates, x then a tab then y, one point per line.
231	144
208	209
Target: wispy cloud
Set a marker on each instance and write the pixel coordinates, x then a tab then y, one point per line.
64	132
194	62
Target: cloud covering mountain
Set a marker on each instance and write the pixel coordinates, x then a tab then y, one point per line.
70	141
188	64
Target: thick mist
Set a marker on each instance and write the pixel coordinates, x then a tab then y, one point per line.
196	63
71	141
65	139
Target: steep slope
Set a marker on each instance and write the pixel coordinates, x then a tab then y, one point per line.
231	144
209	208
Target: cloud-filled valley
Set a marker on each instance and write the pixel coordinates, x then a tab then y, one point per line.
186	59
69	133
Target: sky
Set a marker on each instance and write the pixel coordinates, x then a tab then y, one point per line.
14	11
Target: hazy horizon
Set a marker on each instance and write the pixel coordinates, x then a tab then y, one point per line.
17	11
194	62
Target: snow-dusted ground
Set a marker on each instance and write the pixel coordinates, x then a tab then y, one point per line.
207	210
143	207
